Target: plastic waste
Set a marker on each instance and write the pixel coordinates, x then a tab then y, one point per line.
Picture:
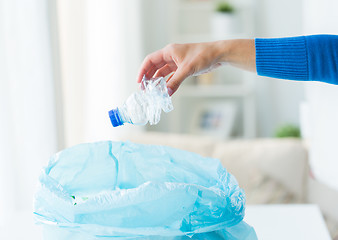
144	105
122	190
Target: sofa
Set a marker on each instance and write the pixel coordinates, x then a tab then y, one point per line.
269	170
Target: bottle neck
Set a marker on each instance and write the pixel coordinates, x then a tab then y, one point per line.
123	114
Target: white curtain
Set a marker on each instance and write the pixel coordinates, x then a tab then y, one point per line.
27	106
100	48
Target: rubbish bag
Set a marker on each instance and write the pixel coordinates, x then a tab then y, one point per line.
122	190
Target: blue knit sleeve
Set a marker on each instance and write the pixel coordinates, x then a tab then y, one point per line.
312	58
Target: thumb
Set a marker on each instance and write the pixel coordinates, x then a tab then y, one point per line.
176	79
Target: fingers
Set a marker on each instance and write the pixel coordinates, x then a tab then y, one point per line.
166	70
165	61
151	72
151	64
176	79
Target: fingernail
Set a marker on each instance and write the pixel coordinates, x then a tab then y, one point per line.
170	91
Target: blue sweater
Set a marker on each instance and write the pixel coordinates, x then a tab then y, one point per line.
309	58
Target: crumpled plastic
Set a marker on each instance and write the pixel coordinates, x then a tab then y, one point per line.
122	190
156	98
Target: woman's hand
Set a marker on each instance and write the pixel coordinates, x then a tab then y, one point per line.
193	59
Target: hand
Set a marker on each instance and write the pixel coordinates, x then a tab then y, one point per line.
183	59
193	59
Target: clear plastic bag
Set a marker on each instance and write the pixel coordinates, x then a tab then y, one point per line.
122	190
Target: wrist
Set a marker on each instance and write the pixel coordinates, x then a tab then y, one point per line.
224	51
238	52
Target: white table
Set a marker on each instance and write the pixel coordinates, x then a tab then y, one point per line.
271	222
291	222
19	226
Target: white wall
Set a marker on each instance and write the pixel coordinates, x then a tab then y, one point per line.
278	100
321	17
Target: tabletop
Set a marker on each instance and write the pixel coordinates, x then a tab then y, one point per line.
271	222
292	222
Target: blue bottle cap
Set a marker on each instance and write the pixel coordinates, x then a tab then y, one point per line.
115	118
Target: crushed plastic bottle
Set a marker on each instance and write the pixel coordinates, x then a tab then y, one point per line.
144	105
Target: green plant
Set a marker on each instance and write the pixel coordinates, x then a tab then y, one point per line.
224	7
288	130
